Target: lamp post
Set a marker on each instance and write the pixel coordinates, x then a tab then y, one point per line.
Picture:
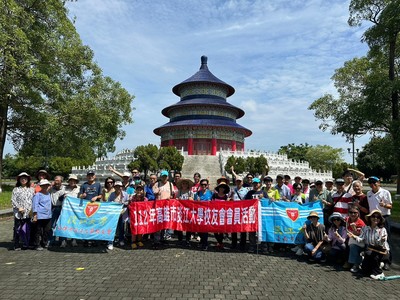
353	151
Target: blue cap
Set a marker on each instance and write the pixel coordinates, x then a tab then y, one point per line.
164	173
373	179
256	180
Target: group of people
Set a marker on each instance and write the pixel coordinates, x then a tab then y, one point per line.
355	231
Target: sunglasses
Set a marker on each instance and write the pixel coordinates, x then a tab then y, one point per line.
336	219
110	182
204	184
340	183
375	217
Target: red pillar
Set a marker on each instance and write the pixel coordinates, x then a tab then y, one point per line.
190	146
233	145
213	146
243	147
170	142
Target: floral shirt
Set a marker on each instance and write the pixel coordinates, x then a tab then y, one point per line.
22	198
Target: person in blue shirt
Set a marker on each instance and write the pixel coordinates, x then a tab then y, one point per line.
203	194
91	189
41	208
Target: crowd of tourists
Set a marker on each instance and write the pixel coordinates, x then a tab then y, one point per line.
355	232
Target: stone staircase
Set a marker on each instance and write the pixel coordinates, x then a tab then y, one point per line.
208	166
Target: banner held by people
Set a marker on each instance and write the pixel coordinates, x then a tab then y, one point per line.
281	222
194	216
86	220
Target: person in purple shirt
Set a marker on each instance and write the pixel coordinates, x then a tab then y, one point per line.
41	208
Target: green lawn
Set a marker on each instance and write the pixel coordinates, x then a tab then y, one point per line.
5	197
395	216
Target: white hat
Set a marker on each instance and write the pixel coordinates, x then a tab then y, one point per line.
118	183
44	182
126	174
74	177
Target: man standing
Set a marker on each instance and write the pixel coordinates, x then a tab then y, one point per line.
238	193
381	199
284	190
255	193
203	194
57	192
90	190
341	199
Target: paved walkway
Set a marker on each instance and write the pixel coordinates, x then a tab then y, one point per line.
176	273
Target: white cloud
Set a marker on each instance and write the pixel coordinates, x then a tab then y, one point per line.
278	55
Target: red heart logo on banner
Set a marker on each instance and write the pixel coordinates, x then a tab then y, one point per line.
91	208
292	213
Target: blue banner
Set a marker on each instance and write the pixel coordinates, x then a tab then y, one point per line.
281	222
85	220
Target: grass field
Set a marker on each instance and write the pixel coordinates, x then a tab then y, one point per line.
5	197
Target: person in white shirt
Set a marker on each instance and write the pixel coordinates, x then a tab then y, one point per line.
381	199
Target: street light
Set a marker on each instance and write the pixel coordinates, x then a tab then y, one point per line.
352	152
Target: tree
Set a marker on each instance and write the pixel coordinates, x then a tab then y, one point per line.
368	87
169	158
295	152
238	163
374	159
145	159
323	157
54	100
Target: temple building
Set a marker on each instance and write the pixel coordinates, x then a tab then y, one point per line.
203	122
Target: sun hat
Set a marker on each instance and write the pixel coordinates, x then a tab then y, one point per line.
335	215
44	182
23	174
126	174
42	172
223	185
312	214
375	211
319	181
222	179
118	183
164	173
329	180
184	180
74	177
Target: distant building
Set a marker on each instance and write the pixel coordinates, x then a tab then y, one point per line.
203	122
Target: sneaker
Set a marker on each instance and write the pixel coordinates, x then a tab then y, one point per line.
63	244
167	237
295	249
74	243
140	244
377	277
39	248
381	265
198	238
122	243
300	252
134	246
204	247
355	269
17	249
251	249
110	247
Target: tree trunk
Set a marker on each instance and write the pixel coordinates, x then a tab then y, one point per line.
3	132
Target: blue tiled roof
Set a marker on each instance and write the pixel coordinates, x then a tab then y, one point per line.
203	122
203	75
200	101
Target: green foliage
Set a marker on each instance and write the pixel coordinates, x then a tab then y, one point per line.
238	163
169	158
324	157
260	163
54	100
150	158
295	152
339	168
375	159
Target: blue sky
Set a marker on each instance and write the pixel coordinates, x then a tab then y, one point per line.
278	55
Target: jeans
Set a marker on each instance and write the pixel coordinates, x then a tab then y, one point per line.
318	255
354	255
